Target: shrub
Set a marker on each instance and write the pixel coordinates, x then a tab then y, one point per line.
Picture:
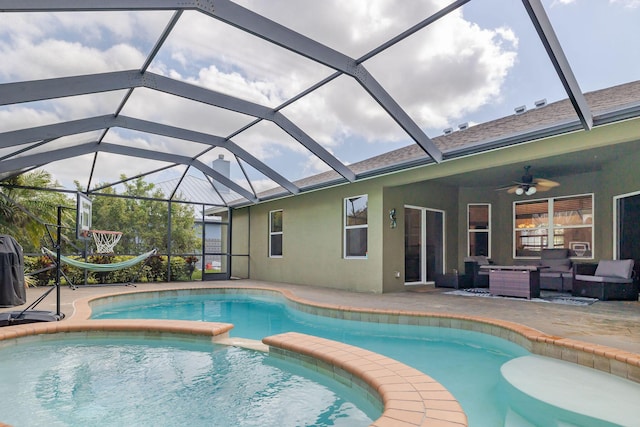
155	270
33	264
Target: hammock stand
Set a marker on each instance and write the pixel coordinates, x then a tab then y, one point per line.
103	267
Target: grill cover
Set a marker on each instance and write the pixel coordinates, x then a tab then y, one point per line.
12	290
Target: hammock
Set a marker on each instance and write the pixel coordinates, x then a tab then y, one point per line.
101	267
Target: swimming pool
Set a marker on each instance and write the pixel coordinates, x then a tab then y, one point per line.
90	379
466	363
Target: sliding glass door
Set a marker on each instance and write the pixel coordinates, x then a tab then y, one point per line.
627	227
423	244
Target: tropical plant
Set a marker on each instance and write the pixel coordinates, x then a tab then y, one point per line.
25	211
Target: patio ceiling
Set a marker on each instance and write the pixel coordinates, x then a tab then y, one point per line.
190	89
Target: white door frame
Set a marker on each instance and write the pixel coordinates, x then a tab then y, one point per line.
423	242
616	238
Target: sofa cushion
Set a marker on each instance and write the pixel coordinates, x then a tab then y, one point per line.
557	264
602	279
547	273
555	253
615	268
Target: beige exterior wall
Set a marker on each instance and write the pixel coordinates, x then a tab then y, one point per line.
313	240
426	194
313	222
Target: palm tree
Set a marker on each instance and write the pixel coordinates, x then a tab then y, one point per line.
25	211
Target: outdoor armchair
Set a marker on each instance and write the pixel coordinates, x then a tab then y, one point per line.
479	277
612	280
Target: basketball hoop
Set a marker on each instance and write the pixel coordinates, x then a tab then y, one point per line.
105	240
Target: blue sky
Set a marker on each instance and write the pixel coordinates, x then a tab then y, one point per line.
475	65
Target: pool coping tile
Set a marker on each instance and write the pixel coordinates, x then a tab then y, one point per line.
396	385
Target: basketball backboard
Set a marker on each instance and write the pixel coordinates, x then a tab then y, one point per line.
83	217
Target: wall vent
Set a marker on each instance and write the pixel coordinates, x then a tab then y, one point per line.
541	103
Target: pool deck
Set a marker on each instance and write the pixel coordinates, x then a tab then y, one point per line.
604	329
609	323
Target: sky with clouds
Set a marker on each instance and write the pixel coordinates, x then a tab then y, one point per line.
476	64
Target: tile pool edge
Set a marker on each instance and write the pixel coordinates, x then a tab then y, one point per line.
603	358
160	328
409	396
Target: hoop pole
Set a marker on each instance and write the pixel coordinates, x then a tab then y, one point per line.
86	250
58	261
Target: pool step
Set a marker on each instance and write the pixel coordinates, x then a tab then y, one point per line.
604	398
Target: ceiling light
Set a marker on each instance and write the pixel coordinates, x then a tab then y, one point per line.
519	191
530	191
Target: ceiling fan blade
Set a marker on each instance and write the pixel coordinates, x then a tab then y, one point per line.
513	189
541	182
504	187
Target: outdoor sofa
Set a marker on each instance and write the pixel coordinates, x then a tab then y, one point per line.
556	273
611	280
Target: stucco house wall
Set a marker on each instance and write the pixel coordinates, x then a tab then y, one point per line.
313	240
313	222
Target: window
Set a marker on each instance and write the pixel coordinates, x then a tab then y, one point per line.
479	229
275	234
562	222
355	227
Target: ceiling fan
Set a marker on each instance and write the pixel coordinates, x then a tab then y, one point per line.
528	185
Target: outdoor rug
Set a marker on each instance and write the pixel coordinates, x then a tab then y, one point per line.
545	296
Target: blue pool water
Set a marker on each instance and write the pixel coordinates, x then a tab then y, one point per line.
466	363
116	382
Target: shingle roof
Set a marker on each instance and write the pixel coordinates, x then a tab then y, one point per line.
484	134
600	101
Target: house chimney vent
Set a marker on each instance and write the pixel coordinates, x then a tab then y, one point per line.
463	126
447	131
521	109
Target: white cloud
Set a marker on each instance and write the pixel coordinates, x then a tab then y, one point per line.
260	92
314	165
47	45
151	105
465	71
631	4
20	117
59	58
438	75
